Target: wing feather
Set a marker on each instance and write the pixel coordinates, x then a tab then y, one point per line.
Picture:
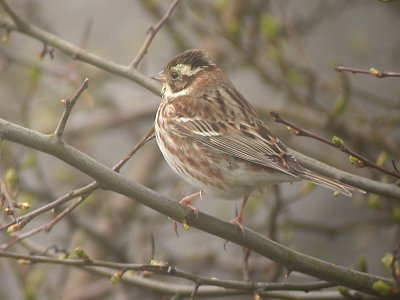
252	147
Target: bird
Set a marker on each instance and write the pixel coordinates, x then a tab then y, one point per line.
212	137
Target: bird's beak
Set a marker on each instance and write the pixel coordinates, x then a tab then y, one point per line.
160	77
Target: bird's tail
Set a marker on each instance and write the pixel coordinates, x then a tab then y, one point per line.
329	183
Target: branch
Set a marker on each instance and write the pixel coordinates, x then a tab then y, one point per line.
21	221
166	269
151	33
83	192
75	52
148	136
372	71
110	180
204	286
368	185
45	227
360	160
69	105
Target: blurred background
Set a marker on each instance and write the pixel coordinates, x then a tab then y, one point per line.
281	56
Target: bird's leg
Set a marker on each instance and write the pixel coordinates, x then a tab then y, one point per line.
239	217
187	201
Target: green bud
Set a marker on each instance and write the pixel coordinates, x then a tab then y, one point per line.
337	142
356	162
344	291
13	228
185	225
292	130
24	261
362	263
80	253
375	72
116	277
387	260
23	205
382	288
158	263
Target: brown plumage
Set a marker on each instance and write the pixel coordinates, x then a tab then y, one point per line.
212	137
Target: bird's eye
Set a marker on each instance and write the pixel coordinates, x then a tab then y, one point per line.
174	75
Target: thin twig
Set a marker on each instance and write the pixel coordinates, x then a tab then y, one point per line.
148	136
274	213
45	227
395	265
25	219
69	105
166	269
245	257
80	54
151	33
83	192
302	132
66	211
372	71
195	290
10	200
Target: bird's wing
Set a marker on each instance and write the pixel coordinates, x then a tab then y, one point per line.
250	143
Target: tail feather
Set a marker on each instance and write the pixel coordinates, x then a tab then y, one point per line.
329	183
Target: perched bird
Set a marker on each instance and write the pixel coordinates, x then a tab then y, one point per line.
211	136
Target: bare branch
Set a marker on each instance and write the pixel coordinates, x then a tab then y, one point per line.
78	53
340	145
151	33
45	227
374	72
82	192
395	265
166	269
69	105
25	219
110	180
10	199
148	136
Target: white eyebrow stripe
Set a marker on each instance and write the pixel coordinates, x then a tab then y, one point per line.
187	70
